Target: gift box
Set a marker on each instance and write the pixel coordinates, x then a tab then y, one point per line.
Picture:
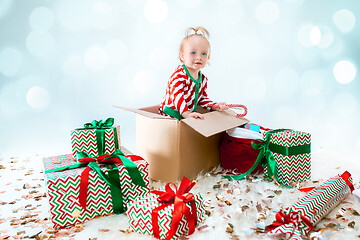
81	189
167	214
96	138
291	151
297	220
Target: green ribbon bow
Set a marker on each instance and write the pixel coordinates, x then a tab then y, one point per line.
266	157
100	127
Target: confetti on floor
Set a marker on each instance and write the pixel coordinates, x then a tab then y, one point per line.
234	209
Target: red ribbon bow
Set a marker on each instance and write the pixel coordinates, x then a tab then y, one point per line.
291	217
179	198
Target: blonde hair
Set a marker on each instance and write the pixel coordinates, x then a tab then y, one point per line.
190	32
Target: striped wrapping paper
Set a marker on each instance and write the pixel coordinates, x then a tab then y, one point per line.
63	191
139	214
291	168
299	219
86	140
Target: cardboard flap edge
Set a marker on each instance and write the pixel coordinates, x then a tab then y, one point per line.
215	122
142	112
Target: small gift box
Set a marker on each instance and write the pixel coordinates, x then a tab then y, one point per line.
285	155
291	152
297	220
84	188
96	138
167	214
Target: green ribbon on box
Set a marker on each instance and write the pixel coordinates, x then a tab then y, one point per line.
266	157
100	127
112	178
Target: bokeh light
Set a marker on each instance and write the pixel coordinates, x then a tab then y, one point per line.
344	72
327	37
267	12
309	35
344	104
96	58
156	11
39	43
41	19
38	97
10	61
344	20
315	35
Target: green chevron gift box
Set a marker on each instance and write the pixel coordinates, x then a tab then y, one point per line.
297	221
81	189
96	138
167	213
291	152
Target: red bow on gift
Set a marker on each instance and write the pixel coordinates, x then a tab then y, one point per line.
180	197
291	217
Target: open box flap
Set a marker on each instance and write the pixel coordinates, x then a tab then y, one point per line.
215	122
150	112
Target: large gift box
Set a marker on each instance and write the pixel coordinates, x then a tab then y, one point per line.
81	189
171	145
291	151
96	138
299	219
167	214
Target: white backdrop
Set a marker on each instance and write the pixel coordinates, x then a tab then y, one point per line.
294	63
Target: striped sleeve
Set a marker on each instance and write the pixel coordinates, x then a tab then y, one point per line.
176	93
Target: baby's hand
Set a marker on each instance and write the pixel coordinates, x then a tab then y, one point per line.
196	115
220	106
188	114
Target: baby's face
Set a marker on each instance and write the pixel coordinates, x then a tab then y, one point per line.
195	53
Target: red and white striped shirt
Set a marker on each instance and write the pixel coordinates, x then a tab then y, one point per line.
180	93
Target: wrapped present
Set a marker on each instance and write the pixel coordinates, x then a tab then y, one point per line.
291	152
96	138
285	155
167	214
84	188
297	220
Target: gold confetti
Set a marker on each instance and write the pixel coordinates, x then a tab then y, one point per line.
127	231
351	224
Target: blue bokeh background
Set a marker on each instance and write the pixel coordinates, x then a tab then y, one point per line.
293	63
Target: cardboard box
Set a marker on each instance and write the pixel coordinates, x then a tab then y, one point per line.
176	148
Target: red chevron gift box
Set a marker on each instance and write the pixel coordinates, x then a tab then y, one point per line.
77	194
96	138
291	152
167	214
297	220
